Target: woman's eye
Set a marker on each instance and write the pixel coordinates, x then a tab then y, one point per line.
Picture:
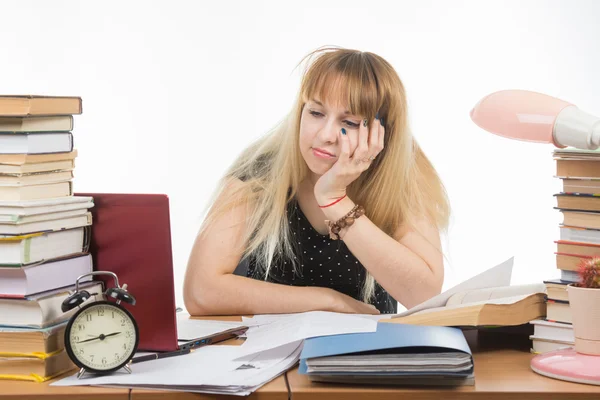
350	124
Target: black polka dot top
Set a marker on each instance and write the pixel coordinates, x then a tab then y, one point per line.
320	262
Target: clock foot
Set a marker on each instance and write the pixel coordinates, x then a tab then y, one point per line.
126	368
80	373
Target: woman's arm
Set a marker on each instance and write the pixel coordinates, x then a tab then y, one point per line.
210	288
409	266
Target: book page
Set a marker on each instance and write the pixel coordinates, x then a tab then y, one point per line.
501	300
499	275
482	295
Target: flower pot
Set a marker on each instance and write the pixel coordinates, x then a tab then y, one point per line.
585	309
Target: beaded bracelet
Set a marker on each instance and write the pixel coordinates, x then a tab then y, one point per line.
346	221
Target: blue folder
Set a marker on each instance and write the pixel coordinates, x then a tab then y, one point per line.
392	337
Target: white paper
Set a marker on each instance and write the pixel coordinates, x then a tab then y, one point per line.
263	319
499	275
208	370
284	330
242	382
202	366
190	329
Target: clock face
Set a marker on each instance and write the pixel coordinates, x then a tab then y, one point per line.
101	337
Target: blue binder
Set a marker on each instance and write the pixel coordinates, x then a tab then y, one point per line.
390	338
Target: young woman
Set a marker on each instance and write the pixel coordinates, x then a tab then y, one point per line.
336	209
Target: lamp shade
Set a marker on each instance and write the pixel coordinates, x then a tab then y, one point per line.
536	117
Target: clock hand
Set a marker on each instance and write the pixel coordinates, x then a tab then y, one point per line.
101	337
88	340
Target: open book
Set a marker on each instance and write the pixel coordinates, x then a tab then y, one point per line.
484	300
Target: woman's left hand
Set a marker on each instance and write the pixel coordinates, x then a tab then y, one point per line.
332	184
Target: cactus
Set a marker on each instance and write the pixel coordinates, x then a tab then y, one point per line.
589	273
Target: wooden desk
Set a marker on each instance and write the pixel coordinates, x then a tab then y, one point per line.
277	389
32	390
501	371
274	390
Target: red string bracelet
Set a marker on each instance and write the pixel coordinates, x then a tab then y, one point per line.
335	202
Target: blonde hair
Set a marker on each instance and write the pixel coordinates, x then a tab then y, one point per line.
400	184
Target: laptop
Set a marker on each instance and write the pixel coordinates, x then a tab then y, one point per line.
131	236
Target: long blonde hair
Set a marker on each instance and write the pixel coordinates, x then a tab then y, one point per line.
400	184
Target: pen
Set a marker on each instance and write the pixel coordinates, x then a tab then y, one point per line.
156	356
214	338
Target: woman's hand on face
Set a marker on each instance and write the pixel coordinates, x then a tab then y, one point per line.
348	167
343	303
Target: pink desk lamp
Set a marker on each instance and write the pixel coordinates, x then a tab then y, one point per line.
536	117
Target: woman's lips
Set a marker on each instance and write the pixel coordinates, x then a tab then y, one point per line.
322	154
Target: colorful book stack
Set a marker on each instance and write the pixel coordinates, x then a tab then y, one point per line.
44	234
579	204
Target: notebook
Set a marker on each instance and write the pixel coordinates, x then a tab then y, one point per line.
131	236
396	354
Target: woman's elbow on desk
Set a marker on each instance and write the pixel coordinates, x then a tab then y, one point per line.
199	294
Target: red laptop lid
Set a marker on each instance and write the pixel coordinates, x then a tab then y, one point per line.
131	236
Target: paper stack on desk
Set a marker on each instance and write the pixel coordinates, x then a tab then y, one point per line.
271	349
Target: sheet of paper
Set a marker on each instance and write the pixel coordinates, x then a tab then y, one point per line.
501	300
264	319
479	295
190	329
499	275
208	370
283	330
244	380
202	366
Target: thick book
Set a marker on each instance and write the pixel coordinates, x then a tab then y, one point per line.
37	178
569	276
577	202
36	142
37	368
17	251
37	278
550	330
61	123
559	311
395	354
581	186
576	234
24	341
499	306
36	192
578	248
557	289
540	345
37	168
581	219
578	168
32	105
569	262
14	211
24	159
44	309
64	222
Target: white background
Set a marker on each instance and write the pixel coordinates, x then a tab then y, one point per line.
173	90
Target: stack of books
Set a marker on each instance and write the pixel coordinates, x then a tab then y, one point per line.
579	204
44	234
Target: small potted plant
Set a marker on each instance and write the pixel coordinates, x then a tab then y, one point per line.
584	300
